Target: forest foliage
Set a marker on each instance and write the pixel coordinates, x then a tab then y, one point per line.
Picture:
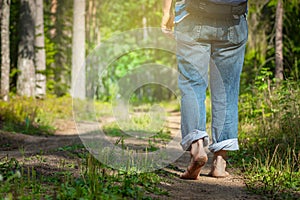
107	18
268	110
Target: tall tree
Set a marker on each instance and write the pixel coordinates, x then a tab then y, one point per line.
40	54
93	35
5	50
278	41
58	27
26	76
78	50
1	2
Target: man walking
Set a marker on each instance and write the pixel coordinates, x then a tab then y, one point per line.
211	37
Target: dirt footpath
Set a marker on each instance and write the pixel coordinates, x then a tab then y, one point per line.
233	187
208	188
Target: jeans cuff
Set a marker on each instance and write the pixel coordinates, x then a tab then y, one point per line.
193	136
228	145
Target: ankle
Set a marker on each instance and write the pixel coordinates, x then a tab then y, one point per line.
197	149
199	141
220	154
219	161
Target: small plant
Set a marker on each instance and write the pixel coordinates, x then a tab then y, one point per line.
33	116
95	181
269	139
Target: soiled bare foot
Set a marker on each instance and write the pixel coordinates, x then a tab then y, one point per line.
198	160
218	169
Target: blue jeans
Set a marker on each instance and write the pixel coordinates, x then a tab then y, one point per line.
210	50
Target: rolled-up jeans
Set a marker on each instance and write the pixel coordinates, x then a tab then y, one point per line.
210	50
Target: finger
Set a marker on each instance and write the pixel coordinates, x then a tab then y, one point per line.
170	23
164	21
169	33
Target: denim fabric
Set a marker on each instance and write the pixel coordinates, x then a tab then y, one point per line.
180	12
210	52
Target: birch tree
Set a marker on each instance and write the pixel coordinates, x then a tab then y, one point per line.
40	54
278	41
78	50
1	2
5	50
26	75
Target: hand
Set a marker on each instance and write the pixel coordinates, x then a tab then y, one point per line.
167	24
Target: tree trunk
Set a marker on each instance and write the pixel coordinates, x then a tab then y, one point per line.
78	50
26	76
1	2
93	36
279	45
60	38
40	54
5	50
53	17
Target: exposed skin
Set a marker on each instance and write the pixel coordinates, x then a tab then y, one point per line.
168	18
219	165
198	154
198	160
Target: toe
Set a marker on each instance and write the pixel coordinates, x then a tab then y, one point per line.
188	176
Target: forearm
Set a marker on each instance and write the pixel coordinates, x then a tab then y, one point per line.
168	18
167	7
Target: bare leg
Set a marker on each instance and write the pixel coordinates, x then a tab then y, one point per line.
218	168
198	160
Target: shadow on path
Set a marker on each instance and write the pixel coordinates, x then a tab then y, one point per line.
20	146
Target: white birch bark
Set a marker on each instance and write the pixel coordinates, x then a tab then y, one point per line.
78	88
5	50
40	53
26	68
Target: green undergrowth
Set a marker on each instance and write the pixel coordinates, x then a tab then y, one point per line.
94	181
270	140
153	138
38	116
34	116
114	130
145	122
143	106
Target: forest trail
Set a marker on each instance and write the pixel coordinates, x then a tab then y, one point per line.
20	146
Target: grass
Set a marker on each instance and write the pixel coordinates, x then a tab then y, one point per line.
114	130
275	176
269	155
270	142
33	116
162	136
143	124
91	180
84	179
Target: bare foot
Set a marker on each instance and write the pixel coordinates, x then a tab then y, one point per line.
219	165
198	160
